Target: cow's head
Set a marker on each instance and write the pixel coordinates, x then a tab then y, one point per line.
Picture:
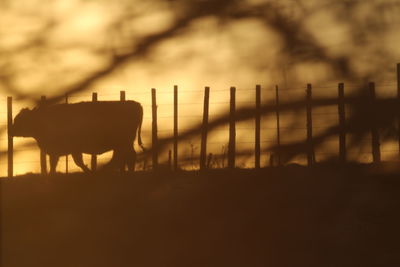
24	124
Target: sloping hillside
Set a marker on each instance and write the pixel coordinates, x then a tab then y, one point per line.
290	216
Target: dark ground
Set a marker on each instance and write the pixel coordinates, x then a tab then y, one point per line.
290	216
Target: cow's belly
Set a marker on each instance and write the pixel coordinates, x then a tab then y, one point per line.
63	145
76	148
97	151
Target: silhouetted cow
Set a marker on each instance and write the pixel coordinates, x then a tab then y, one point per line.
86	127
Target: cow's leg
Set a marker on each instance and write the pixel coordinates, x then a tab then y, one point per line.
79	161
53	163
131	160
127	157
123	156
120	159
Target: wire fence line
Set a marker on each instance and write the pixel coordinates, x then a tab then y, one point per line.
267	135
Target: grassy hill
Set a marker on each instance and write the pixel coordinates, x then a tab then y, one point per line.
289	216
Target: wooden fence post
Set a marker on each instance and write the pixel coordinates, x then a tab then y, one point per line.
376	153
209	160
257	148
43	158
169	159
204	128
154	129
342	124
278	131
122	98
398	97
310	145
144	163
232	130
175	127
10	151
93	161
66	156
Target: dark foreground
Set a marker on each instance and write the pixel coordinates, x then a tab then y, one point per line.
292	216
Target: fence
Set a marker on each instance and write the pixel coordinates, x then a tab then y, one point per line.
205	158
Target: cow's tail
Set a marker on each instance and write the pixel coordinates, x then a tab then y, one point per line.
140	128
